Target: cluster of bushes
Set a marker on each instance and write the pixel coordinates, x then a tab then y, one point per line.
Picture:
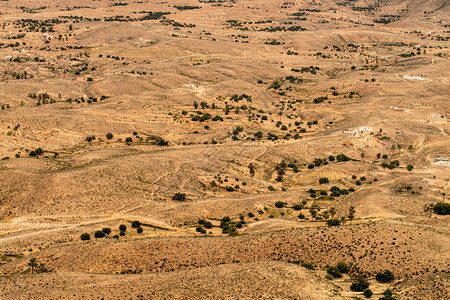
272	42
311	69
237	98
202	223
336	271
107	231
36	152
282	167
37	268
320	99
385	276
324	161
137	225
333	222
393	164
98	234
282	28
299	206
230	227
334	192
90	138
293	79
323	180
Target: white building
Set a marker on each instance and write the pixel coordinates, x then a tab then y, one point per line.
365	129
350	132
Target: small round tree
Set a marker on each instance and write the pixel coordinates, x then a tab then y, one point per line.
85	237
367	293
99	234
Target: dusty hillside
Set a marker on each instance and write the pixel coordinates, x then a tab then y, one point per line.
224	149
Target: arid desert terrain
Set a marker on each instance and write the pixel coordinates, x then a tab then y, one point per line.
224	149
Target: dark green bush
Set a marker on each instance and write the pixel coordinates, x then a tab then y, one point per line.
334	271
85	237
342	266
359	284
385	276
280	204
367	293
333	222
208	225
439	208
99	234
297	207
179	197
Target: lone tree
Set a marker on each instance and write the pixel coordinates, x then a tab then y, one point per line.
332	212
109	135
33	264
251	168
351	213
